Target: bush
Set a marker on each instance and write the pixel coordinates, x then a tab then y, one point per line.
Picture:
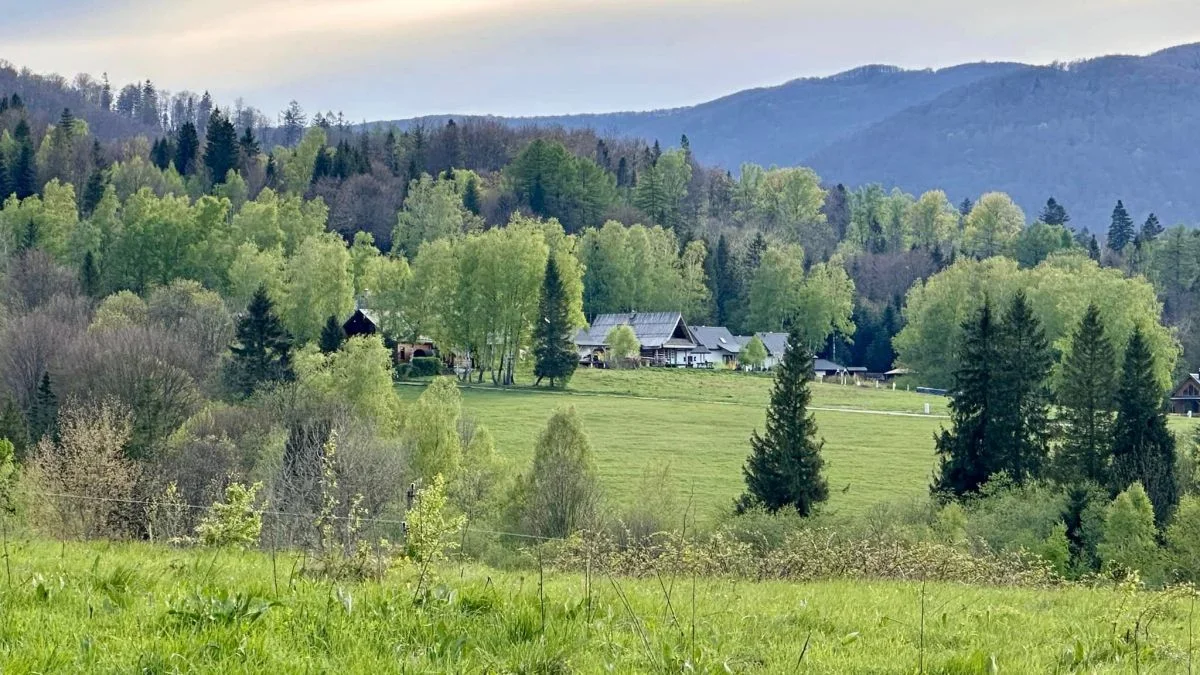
426	366
561	493
1129	543
402	372
234	522
1183	540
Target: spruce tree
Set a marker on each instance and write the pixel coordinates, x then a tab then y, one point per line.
89	276
187	147
44	414
725	290
554	348
5	183
1025	361
23	172
1150	229
93	192
1054	213
262	348
220	148
14	428
332	336
784	467
1085	397
160	154
1120	232
1094	249
968	452
471	198
1143	449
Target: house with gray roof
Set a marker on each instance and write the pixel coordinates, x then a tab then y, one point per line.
716	347
666	340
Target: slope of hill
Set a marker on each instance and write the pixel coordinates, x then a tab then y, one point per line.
1089	134
776	125
46	96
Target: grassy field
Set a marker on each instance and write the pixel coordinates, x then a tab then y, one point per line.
112	608
699	423
878	442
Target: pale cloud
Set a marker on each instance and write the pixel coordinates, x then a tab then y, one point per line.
392	58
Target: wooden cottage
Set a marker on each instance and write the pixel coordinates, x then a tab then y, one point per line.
361	322
1185	398
666	340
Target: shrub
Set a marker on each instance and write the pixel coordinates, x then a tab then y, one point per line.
88	465
426	366
623	347
429	526
561	493
432	430
1183	540
1129	542
235	522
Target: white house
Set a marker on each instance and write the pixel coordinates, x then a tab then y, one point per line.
717	347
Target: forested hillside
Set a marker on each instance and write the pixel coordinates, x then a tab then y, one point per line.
1089	132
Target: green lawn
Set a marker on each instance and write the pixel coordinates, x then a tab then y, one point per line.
699	423
125	608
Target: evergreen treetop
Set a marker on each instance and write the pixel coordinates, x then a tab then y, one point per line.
1120	232
1143	449
554	348
784	469
1086	393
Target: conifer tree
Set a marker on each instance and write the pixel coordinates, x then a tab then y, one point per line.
1086	399
93	192
554	348
89	276
1150	229
969	450
725	290
1094	249
248	144
5	183
14	428
23	171
187	147
471	198
221	147
160	154
784	467
1120	232
1054	213
262	349
44	413
1025	362
332	336
1143	449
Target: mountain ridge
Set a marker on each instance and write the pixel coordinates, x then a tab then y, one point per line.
1117	127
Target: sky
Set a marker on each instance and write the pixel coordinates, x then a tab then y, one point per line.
390	59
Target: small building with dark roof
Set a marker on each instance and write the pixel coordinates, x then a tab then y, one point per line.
716	347
361	322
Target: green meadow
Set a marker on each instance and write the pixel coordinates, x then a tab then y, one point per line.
124	608
878	441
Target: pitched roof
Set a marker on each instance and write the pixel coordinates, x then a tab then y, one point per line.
1193	378
653	329
716	339
776	343
823	365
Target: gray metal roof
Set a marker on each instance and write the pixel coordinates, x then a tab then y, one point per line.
653	329
825	365
716	339
776	343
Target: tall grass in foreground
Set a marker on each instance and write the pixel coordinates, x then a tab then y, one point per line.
104	607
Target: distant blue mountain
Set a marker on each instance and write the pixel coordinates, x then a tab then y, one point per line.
1088	133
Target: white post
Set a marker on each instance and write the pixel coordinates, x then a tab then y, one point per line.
1189	414
893	386
926	408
